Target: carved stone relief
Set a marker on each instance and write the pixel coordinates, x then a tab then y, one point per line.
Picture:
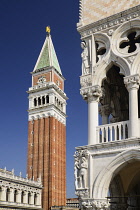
81	172
85	58
96	204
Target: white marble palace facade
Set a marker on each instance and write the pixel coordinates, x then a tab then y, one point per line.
19	193
107	169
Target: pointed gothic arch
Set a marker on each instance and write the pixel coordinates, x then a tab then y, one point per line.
107	64
102	183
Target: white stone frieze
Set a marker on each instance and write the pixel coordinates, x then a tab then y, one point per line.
96	204
112	147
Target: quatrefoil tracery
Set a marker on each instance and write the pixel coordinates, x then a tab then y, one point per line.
100	50
130	43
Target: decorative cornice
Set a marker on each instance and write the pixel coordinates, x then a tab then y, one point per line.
11	177
112	147
49	113
46	69
45	86
109	22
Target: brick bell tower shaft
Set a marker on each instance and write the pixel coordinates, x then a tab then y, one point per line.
47	127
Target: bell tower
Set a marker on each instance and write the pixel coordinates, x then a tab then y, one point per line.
47	127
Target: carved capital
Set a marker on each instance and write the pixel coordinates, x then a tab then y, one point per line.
82	193
96	204
91	93
101	205
132	82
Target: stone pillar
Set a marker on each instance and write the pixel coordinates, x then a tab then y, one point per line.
64	107
18	200
11	195
104	112
51	98
38	203
92	95
132	85
25	197
31	102
3	194
31	198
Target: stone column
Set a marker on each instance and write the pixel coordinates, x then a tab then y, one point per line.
31	198
11	195
132	85
3	193
25	197
18	200
38	203
92	95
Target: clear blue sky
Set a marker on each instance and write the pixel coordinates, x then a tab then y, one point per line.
22	24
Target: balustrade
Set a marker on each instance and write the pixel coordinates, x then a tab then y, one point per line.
112	132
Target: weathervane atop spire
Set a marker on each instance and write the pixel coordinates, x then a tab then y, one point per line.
48	30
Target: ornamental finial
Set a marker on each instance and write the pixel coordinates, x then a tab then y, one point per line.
48	29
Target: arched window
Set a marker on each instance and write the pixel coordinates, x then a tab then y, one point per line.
29	198
15	196
8	194
35	102
43	100
39	101
47	99
22	197
35	199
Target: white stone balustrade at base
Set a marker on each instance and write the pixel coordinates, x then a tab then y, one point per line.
112	132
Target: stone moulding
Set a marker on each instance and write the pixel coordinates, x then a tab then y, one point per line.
109	22
111	147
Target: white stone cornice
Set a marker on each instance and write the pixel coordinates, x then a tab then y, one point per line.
132	81
46	114
109	22
111	147
92	93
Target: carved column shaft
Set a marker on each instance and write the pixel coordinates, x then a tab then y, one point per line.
3	194
32	198
132	84
18	196
92	121
38	200
11	195
92	95
25	197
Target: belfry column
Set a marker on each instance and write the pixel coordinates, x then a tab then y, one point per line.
132	85
92	95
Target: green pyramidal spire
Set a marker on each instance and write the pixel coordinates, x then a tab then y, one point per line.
48	57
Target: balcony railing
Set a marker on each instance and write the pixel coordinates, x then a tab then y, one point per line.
112	132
